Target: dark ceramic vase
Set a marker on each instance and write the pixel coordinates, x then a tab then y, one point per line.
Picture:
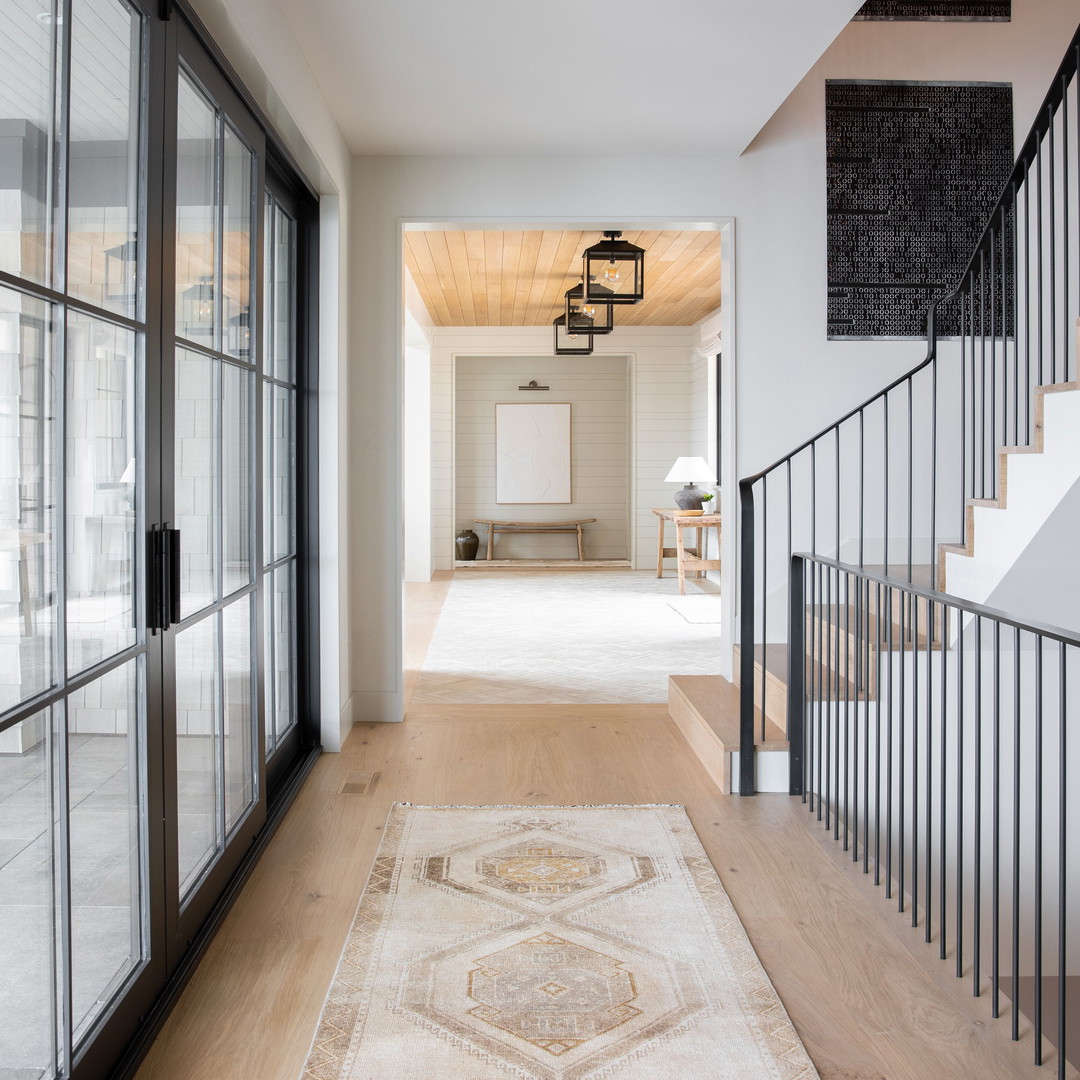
467	544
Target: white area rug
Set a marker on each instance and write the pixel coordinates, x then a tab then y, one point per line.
703	609
590	637
549	943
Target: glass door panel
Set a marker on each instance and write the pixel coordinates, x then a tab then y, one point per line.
197	204
28	127
106	795
237	260
215	480
28	486
279	472
197	449
280	653
198	737
237	532
104	462
239	710
29	1036
104	158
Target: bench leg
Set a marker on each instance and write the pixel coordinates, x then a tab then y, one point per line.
491	542
580	545
660	549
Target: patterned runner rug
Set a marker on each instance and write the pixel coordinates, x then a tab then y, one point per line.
549	943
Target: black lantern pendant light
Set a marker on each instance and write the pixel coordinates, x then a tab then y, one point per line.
593	317
571	342
122	273
198	308
616	266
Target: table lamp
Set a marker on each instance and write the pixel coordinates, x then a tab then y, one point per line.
689	470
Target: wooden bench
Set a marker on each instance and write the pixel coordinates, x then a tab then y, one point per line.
534	527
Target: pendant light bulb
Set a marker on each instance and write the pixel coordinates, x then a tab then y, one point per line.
611	272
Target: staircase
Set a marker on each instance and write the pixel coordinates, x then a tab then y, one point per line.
931	735
1032	481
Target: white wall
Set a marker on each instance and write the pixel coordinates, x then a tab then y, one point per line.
416	497
596	390
257	38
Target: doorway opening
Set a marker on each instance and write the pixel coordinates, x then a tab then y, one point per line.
479	301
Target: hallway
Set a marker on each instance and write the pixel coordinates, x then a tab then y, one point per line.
870	1001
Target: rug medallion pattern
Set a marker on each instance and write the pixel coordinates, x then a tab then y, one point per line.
557	943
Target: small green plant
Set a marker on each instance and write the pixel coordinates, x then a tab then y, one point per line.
706	498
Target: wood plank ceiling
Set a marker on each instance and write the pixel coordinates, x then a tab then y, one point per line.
519	278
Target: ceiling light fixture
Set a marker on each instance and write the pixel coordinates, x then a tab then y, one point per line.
592	318
615	266
571	342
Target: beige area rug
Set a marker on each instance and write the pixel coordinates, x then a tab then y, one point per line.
549	943
522	637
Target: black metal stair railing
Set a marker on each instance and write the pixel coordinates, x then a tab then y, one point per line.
889	482
939	739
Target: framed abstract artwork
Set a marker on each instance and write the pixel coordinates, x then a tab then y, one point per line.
532	452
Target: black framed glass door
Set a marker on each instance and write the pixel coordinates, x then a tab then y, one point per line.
152	357
211	490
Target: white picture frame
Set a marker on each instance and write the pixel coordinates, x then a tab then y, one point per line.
532	452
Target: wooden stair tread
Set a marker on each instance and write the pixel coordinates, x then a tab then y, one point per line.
705	709
717	703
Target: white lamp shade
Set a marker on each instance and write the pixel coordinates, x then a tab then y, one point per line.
690	470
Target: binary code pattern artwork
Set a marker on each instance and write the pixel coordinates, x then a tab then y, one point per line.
913	172
936	10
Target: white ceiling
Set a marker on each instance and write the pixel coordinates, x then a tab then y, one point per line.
560	76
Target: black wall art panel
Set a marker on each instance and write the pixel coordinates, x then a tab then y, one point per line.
937	10
913	172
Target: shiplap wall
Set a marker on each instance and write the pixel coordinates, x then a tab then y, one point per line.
660	416
596	388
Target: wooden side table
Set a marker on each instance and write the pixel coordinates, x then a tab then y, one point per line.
687	559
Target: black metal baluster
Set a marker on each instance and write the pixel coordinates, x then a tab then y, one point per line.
914	761
995	917
843	706
889	762
931	623
901	723
962	501
819	633
1050	233
1015	952
1027	301
872	635
836	450
1038	928
764	597
862	487
826	618
885	482
960	714
1008	308
910	477
943	793
1063	853
976	918
1039	258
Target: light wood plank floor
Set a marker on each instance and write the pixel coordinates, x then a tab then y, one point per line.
868	999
